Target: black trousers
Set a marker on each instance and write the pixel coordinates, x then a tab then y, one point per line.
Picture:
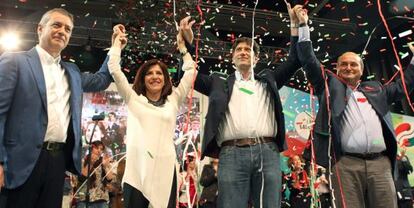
134	198
44	187
405	204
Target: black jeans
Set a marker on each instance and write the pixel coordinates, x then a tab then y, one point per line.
134	198
44	187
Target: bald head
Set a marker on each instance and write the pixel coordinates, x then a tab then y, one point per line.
350	53
350	67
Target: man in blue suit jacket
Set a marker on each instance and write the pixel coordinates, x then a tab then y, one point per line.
40	115
353	126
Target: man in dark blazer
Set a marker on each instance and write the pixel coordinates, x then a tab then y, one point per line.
245	124
40	115
353	126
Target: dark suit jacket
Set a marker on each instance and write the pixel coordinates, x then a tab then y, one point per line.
378	95
219	88
23	112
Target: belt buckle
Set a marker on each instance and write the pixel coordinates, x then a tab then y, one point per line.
49	146
255	141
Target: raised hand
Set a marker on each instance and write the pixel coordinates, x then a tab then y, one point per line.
292	15
185	29
302	14
119	37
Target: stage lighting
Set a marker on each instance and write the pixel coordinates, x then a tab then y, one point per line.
9	41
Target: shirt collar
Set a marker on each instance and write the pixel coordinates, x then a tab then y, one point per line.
357	87
46	57
239	76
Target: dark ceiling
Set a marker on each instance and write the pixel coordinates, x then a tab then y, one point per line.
338	26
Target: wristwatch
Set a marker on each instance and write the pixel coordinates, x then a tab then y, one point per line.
294	25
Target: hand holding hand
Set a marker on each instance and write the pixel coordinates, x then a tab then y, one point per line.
302	14
119	37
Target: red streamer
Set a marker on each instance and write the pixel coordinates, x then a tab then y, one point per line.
395	54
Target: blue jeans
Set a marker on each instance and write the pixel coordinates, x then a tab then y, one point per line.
250	172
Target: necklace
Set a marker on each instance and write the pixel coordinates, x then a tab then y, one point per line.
157	103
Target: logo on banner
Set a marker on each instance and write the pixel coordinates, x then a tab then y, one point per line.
405	134
303	124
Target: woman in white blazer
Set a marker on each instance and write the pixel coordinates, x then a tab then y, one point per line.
150	173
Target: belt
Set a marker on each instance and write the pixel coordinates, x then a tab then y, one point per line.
366	156
53	146
247	141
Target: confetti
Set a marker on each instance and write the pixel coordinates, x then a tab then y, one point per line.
371	76
172	70
403	34
403	55
246	91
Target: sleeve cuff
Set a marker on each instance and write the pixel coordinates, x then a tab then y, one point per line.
304	34
114	51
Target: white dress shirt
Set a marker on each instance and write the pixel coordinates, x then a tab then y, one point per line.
360	127
250	113
57	96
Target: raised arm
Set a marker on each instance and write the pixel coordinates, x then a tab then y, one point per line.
101	79
185	29
288	68
189	71
98	81
306	55
118	43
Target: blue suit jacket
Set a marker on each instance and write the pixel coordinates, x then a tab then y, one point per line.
23	112
219	89
378	95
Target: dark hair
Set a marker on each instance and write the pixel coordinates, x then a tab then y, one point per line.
112	113
188	160
139	82
290	160
247	40
95	165
98	143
